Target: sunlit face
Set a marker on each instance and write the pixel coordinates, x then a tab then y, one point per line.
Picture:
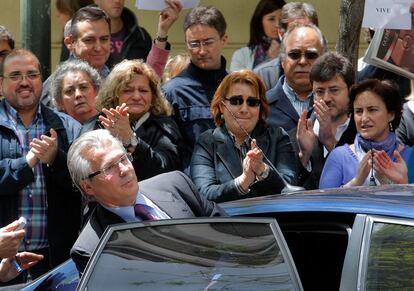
112	7
335	94
371	116
303	39
117	190
247	116
93	43
137	96
270	23
78	96
207	55
24	94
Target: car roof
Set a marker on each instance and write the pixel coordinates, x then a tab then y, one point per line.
389	200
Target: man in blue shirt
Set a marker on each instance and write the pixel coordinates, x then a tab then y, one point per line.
101	168
34	179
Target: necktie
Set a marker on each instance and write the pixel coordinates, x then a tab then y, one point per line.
145	212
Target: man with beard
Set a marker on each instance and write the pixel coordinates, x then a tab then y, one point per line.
331	75
300	47
34	179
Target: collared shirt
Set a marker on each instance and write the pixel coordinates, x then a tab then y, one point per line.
297	103
32	201
338	134
127	213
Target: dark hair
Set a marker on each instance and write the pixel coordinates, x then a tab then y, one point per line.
330	65
386	90
239	77
88	13
256	27
5	34
69	7
20	52
293	10
209	16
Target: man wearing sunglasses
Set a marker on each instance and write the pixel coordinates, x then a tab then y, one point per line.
301	46
293	13
102	169
34	179
191	92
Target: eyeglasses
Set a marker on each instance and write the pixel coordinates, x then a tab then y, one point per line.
112	168
333	91
197	44
297	54
238	100
19	76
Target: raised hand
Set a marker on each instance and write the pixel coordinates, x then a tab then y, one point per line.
45	148
393	172
168	16
116	120
327	131
305	138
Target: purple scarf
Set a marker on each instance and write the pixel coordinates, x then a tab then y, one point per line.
260	53
389	145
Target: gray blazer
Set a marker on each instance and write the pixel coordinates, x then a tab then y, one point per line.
172	192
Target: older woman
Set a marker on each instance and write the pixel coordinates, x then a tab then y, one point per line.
375	156
226	163
134	110
74	88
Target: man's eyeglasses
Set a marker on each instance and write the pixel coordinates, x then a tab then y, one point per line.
333	91
197	44
238	100
19	76
297	54
113	168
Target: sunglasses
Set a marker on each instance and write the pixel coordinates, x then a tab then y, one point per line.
297	54
238	100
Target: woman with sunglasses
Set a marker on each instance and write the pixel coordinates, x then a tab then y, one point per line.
376	157
264	39
242	157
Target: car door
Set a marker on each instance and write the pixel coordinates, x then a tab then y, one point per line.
380	254
192	254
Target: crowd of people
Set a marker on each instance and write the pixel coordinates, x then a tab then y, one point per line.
123	132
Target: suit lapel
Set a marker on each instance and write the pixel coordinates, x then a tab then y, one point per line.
171	203
226	152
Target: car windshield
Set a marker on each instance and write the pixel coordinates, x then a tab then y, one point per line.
193	256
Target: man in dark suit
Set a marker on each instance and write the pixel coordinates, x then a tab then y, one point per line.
102	170
300	47
332	75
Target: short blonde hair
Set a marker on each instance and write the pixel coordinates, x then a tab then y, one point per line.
119	78
175	65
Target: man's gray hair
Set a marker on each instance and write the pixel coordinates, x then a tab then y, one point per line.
71	66
322	39
82	151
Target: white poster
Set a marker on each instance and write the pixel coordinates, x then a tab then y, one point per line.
160	4
392	14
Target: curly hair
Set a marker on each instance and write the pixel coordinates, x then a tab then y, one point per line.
119	78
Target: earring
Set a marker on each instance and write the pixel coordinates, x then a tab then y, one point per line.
222	117
391	128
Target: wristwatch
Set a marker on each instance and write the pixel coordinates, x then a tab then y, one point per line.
161	39
133	142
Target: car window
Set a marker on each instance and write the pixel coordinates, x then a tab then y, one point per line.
390	263
196	254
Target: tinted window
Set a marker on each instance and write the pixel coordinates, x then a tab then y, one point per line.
202	256
391	257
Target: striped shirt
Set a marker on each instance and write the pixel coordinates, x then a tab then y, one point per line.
32	202
297	103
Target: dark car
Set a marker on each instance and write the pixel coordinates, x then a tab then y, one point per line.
358	238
